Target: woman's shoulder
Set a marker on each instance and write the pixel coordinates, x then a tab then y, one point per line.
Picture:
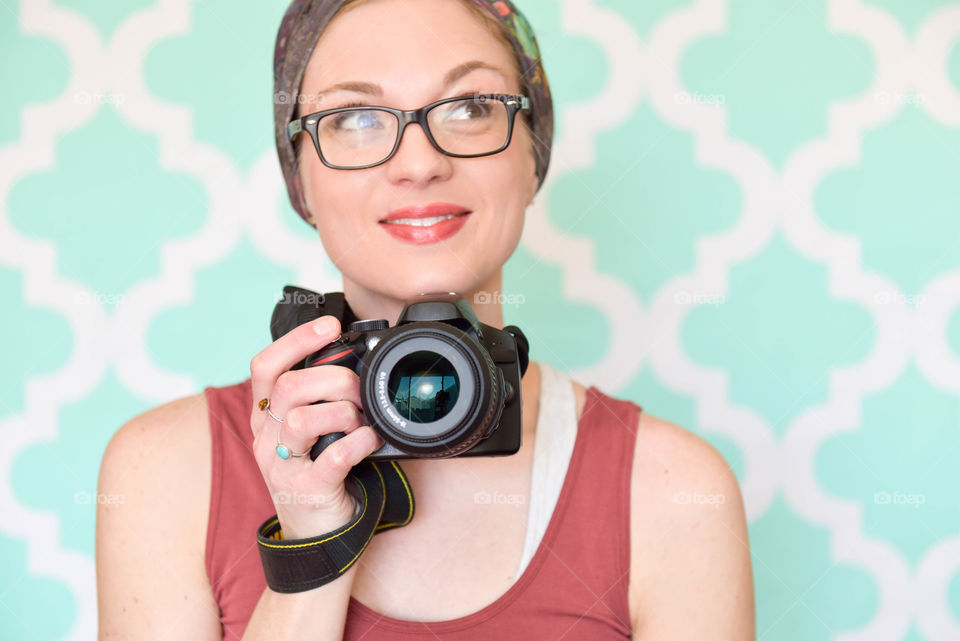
661	444
672	462
164	452
673	466
686	508
170	432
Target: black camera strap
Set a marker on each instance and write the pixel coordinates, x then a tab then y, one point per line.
297	565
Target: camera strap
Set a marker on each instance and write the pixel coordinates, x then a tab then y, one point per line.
297	565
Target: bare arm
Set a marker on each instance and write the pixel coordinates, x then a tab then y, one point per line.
315	614
691	574
151	578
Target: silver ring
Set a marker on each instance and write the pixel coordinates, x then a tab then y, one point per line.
273	416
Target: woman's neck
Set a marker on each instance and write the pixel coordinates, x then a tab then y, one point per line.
486	300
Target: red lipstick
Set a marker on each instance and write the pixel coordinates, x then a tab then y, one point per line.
423	224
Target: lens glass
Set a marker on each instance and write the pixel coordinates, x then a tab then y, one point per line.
470	126
357	137
423	386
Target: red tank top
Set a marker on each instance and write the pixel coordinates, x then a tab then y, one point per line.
574	587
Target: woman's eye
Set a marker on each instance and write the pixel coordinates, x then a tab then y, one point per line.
470	111
359	120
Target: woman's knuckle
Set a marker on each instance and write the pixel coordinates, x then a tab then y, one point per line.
258	366
338	456
286	384
346	413
294	419
347	379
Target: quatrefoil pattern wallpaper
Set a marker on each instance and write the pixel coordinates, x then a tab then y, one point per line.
751	227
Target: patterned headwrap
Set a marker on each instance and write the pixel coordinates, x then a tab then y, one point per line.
299	31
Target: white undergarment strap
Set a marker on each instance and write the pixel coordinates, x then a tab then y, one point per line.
553	445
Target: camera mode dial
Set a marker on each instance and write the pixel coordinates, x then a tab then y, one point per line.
368	325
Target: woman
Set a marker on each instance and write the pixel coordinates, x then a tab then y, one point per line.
621	556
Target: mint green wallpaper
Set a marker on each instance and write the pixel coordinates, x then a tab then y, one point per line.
751	227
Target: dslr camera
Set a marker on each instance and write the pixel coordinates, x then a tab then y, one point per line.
437	384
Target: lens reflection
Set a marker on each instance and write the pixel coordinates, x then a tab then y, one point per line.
423	386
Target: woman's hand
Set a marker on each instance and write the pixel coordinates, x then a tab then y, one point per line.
310	495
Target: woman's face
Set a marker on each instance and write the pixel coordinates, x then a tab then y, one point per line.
402	51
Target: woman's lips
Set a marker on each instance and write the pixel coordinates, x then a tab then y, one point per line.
425	230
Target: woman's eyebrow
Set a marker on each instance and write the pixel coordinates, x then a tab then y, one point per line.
451	77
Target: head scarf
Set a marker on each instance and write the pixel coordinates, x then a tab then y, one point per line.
299	31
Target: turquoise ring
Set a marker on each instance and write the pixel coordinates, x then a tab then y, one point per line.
282	450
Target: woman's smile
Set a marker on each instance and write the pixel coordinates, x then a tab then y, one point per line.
423	224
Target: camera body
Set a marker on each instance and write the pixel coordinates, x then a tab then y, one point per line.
437	384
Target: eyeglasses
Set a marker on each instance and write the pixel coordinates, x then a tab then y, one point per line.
461	127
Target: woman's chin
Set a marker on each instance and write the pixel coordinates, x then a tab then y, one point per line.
445	278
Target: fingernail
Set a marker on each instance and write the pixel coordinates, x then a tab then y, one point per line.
324	325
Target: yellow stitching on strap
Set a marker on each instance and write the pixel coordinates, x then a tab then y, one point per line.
383	503
392	524
403	479
329	538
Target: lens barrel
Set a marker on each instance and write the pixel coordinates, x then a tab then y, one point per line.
432	389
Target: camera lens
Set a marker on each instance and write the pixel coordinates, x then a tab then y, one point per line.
431	390
423	386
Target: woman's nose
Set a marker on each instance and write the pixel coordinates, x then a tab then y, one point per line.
416	160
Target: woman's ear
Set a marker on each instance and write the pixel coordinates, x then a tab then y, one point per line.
306	189
534	185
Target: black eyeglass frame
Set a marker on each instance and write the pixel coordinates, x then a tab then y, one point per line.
310	122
